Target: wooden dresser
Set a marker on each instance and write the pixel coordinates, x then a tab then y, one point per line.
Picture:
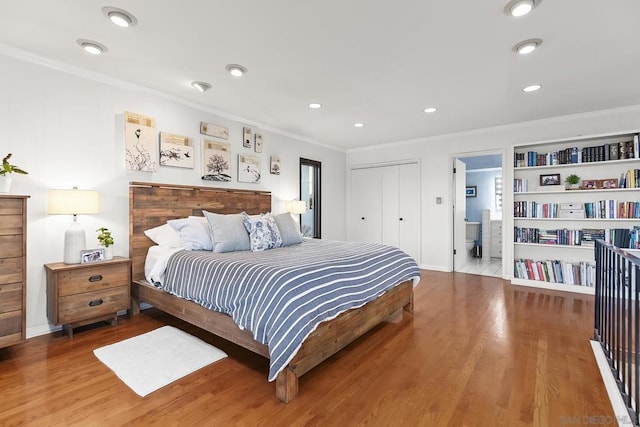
13	268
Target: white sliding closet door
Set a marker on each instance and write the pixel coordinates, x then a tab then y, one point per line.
365	213
409	209
385	206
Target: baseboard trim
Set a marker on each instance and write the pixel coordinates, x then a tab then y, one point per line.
619	408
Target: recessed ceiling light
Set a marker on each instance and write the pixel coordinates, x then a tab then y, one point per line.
236	70
315	105
531	88
120	17
520	7
358	125
430	110
201	86
527	46
91	46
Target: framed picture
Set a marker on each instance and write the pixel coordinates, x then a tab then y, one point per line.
214	130
246	137
589	184
140	142
91	255
607	183
216	161
257	143
248	168
275	165
472	191
550	179
176	150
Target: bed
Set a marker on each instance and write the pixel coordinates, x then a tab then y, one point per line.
152	204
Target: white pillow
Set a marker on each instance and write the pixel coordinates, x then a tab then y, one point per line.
263	232
194	233
164	235
227	232
289	229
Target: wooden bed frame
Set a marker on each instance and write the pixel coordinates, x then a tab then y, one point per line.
152	204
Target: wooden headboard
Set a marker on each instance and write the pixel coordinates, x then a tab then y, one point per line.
152	204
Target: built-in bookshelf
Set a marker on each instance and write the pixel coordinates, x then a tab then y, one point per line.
554	225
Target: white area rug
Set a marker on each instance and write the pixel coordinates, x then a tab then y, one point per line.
150	361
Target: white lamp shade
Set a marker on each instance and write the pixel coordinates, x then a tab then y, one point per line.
73	202
295	206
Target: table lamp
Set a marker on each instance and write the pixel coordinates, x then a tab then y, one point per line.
73	202
297	207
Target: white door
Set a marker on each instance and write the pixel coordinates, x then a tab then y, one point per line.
390	206
365	208
409	212
459	214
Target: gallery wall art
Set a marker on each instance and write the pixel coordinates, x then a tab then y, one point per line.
216	161
214	130
176	150
248	168
141	148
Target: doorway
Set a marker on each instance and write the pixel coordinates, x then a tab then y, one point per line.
477	222
310	190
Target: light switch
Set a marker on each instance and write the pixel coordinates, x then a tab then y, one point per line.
438	200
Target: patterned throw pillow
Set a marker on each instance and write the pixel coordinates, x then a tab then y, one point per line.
263	232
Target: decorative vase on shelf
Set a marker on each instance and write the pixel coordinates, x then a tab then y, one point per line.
5	183
108	253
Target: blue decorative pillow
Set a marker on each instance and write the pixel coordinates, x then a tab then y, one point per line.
194	233
263	232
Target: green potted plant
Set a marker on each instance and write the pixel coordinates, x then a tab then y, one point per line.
572	181
106	239
6	173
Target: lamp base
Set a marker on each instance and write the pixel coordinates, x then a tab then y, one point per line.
74	242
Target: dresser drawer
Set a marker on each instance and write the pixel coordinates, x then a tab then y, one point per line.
10	297
13	206
11	246
10	328
93	278
11	224
87	305
11	270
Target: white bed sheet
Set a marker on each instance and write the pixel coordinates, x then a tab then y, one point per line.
156	262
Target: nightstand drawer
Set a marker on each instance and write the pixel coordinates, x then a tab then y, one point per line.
92	278
10	270
73	308
10	297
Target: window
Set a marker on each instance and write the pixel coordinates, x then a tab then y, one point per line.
310	194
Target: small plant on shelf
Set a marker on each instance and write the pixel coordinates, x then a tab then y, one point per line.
572	181
104	237
8	168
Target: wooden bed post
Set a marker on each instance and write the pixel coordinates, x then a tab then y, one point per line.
286	385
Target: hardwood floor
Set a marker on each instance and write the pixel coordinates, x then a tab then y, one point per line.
476	352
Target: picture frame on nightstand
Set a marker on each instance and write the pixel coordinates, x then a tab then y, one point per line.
91	255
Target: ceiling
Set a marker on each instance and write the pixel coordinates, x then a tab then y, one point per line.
376	62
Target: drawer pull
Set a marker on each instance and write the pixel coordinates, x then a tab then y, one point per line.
95	278
95	302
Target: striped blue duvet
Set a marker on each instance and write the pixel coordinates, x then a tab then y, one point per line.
281	295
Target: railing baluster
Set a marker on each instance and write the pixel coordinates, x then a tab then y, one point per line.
617	319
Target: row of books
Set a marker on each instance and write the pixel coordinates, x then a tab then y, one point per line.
630	179
601	209
620	237
556	271
520	185
549	237
573	155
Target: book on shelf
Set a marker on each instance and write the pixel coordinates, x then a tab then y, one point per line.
601	209
619	237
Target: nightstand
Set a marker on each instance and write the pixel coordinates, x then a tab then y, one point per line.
81	294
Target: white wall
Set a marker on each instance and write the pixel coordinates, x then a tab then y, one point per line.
436	156
484	181
66	129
